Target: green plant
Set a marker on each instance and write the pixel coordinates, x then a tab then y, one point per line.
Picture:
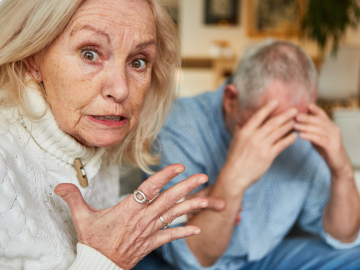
326	21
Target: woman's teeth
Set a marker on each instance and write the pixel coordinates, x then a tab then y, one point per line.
114	118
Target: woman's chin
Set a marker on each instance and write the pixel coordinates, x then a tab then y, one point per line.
106	144
101	140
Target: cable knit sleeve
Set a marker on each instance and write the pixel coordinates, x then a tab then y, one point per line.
90	259
36	229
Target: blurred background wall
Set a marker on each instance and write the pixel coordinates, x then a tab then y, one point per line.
198	39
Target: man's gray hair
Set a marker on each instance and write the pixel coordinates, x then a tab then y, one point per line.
274	60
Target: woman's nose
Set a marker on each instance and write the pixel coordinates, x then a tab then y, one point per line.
117	86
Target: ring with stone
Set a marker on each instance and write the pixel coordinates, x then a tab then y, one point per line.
165	225
143	200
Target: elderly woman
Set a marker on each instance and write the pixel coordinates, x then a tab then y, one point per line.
85	85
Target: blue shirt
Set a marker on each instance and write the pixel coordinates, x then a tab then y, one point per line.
295	188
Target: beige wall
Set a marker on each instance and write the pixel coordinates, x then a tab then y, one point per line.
196	36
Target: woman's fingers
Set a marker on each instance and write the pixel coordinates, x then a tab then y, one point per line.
152	186
79	209
171	196
261	115
181	209
215	204
165	236
202	193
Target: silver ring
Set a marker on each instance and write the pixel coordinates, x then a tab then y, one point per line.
143	200
163	222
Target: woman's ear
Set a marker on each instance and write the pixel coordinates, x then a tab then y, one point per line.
34	68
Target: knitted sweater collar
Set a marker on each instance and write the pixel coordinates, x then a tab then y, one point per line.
47	134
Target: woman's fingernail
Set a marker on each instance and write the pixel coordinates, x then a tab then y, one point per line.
62	193
202	180
204	204
197	232
179	170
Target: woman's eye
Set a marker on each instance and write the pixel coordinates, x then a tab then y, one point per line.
89	55
138	63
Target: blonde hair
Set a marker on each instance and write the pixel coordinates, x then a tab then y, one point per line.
28	27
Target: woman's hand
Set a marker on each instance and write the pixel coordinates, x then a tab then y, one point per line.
255	146
128	231
215	204
317	128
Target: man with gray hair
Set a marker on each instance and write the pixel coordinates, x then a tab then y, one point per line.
270	151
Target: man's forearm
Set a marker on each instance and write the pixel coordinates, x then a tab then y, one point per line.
342	213
216	227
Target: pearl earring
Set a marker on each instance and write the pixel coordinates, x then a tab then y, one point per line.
37	74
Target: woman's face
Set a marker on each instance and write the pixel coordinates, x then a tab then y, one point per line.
97	72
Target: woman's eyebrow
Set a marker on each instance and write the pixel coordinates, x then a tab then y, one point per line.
91	28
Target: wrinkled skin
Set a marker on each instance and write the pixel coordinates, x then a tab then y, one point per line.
118	35
101	65
128	231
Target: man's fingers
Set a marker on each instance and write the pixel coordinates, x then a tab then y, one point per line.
261	115
315	110
79	209
309	119
152	186
275	122
317	139
284	143
311	129
165	236
171	196
181	209
279	133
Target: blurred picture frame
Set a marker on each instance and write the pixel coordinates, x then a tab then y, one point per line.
221	12
274	18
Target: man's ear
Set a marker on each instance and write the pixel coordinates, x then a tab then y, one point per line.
314	94
231	99
34	68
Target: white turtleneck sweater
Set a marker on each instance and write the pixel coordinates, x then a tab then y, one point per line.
36	229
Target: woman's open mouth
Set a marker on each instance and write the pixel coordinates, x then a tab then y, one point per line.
109	120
